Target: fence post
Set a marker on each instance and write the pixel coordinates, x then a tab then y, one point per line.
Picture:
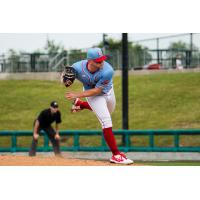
14	143
151	139
191	48
176	140
124	83
158	56
32	62
127	142
76	142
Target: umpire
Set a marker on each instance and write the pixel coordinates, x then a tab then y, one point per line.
43	122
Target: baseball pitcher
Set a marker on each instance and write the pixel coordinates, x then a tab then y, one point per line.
96	75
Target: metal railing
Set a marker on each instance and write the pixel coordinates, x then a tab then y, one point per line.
128	146
58	61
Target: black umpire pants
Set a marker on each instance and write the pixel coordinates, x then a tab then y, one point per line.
51	135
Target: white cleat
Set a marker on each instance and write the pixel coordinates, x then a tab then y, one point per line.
75	106
75	109
121	159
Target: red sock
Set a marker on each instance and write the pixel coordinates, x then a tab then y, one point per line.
110	140
85	105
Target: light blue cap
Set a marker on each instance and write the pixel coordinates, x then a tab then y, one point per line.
95	54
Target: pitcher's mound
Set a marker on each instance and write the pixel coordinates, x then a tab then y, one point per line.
39	160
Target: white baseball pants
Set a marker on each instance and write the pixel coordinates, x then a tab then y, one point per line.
103	105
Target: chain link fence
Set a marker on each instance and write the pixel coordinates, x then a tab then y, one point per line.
36	62
143	53
165	50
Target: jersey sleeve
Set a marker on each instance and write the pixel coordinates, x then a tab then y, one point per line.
41	117
105	79
58	118
76	67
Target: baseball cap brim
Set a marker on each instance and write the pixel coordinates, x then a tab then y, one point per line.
102	58
54	106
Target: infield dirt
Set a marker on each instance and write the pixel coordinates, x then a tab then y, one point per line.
18	160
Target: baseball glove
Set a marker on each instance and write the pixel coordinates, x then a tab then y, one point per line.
68	76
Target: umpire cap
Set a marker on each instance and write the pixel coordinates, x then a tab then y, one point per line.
54	104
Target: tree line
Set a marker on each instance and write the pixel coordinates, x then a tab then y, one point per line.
139	55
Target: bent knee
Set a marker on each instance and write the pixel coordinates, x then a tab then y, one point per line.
106	122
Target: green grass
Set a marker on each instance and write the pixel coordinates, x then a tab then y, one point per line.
21	102
169	163
165	101
156	101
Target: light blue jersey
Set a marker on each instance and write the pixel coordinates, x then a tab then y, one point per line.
99	79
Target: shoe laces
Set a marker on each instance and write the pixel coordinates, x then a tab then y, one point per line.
123	155
120	157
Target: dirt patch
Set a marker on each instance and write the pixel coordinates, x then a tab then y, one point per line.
18	160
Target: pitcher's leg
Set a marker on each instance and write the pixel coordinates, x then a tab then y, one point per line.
111	101
110	140
99	107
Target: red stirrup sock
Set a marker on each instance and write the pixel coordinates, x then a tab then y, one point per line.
85	105
110	140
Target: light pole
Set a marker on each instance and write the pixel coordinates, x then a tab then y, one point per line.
125	80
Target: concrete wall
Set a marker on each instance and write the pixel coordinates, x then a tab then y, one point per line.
56	75
30	76
51	76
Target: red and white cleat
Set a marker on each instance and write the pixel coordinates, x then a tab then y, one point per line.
121	159
76	106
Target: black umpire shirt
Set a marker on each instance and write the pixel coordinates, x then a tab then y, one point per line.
46	118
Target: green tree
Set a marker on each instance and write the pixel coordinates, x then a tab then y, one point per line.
52	48
112	44
180	45
138	54
75	55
